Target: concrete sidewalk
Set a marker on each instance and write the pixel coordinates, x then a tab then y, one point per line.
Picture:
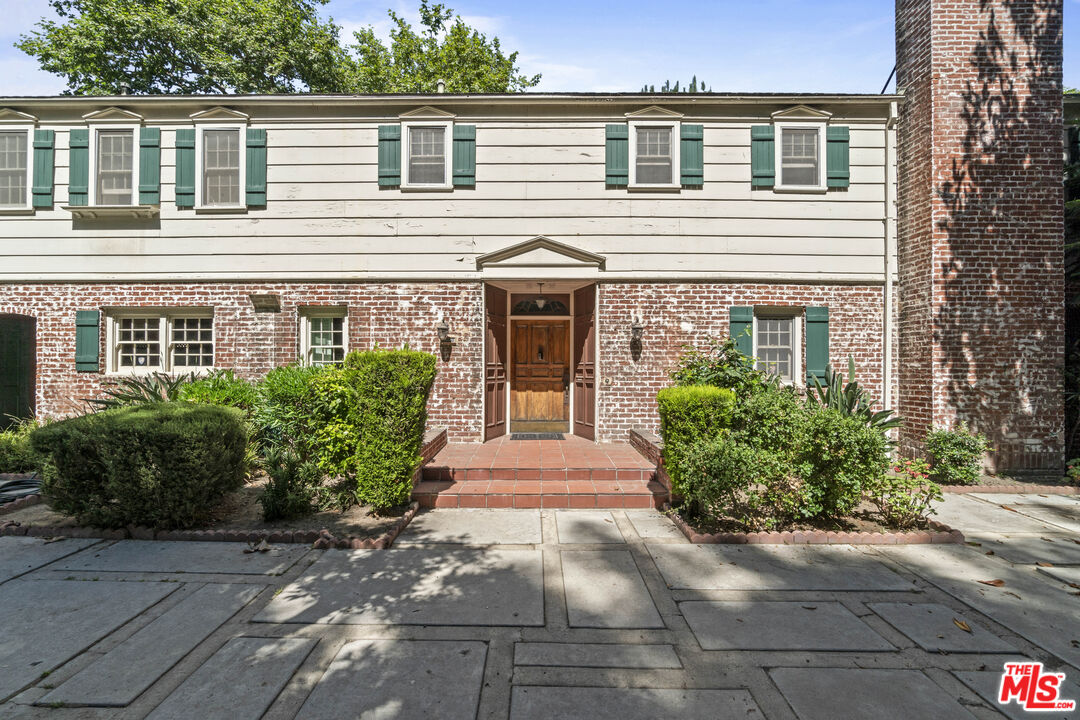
539	614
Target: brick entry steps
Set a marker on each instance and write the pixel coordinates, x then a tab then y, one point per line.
570	473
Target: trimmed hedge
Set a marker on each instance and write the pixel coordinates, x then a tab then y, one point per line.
690	413
162	465
367	418
16	454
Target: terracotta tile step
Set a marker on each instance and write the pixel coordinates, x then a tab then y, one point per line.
540	500
437	473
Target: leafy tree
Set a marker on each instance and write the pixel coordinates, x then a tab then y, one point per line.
691	87
189	46
445	49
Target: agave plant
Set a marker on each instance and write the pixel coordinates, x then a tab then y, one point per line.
850	399
142	390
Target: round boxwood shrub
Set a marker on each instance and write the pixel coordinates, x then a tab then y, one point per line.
163	465
956	455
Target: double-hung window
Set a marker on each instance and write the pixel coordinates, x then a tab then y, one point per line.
157	341
220	171
115	167
14	163
800	156
776	343
323	335
654	154
427	154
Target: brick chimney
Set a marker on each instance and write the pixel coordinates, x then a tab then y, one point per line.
980	230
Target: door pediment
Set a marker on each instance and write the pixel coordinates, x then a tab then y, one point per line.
540	252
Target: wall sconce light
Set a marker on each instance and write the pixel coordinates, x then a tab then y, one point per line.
446	341
637	330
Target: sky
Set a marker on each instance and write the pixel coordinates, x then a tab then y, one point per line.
621	45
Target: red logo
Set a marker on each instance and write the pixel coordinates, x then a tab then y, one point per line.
1031	688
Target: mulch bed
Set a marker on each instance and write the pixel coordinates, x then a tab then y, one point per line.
861	528
237	519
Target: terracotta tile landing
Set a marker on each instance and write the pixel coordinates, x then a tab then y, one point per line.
570	473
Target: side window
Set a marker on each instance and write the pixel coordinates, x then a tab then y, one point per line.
775	345
14	154
323	336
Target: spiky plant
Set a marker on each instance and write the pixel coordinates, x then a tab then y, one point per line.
851	399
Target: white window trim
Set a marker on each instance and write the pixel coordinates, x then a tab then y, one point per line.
448	154
26	206
796	315
97	127
200	203
676	163
818	125
330	311
164	317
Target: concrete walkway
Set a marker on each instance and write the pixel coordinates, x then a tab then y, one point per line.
541	614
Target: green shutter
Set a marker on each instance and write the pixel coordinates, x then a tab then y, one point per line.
389	155
86	340
692	155
836	157
742	321
150	166
617	151
464	155
44	151
185	168
256	167
762	156
79	167
817	343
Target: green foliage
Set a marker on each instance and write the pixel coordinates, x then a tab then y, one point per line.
774	419
1072	471
281	412
842	456
445	49
291	486
721	364
691	87
136	390
723	477
102	47
956	455
161	465
689	414
223	388
17	455
367	419
850	399
905	498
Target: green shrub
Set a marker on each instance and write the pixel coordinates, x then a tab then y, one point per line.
721	364
1072	471
291	486
16	453
161	465
724	477
956	455
223	388
689	414
367	419
851	399
282	417
775	419
905	498
841	455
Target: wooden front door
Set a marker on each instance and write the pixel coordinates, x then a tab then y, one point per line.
495	364
16	368
585	362
540	375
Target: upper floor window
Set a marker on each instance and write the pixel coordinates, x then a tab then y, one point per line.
115	167
220	172
426	152
14	160
654	154
799	159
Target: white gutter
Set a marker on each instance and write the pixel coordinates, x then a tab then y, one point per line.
890	205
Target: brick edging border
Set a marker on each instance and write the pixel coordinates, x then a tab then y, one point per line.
321	539
1013	489
938	534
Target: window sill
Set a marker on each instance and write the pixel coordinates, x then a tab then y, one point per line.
654	188
174	373
426	188
221	210
105	211
816	189
16	211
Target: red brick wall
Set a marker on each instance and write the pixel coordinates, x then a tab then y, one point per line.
677	314
980	223
253	343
